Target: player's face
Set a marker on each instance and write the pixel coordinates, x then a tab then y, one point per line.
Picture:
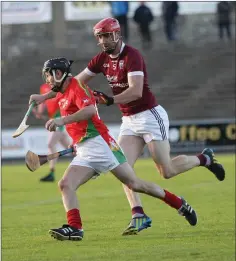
107	43
50	79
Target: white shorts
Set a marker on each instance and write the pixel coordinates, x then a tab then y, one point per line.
95	153
150	125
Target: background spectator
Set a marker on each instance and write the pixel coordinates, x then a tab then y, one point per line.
119	10
169	14
143	17
224	18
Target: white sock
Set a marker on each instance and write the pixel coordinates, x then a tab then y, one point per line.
137	215
208	160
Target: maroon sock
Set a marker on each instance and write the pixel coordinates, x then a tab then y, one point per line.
202	159
74	219
172	200
137	210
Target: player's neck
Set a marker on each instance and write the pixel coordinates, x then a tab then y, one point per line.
66	84
116	52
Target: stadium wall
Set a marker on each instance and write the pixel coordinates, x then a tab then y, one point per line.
184	136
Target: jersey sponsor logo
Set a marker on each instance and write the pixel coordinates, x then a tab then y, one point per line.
63	103
106	65
111	78
121	64
121	85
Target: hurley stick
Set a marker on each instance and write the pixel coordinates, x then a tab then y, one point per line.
23	127
34	161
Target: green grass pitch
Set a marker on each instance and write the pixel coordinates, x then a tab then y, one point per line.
30	208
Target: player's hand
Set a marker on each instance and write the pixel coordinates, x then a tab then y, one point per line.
74	149
102	98
37	98
52	124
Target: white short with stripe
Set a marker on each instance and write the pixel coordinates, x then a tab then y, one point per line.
150	124
96	154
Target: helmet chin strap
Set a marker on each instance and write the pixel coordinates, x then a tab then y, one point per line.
62	80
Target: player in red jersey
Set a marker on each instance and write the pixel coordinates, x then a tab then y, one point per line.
58	137
144	121
96	150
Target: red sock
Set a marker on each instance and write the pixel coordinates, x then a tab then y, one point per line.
74	219
172	200
137	210
202	159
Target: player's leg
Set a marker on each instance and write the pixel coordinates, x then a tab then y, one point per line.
160	152
73	178
132	147
168	168
159	147
126	175
53	138
64	139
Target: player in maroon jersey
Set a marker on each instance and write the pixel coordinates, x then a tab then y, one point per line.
96	150
144	121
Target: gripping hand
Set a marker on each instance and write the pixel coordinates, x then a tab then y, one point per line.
102	98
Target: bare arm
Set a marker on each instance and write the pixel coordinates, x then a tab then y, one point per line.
50	95
39	98
134	91
83	76
84	114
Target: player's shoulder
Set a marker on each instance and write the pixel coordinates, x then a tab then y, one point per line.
99	56
131	51
77	83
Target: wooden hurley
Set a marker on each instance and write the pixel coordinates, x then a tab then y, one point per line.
34	161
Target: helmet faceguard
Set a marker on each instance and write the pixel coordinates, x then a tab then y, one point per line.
52	65
111	27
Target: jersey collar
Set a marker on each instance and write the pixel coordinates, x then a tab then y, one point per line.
121	50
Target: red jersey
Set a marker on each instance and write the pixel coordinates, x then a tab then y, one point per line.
76	97
51	104
116	70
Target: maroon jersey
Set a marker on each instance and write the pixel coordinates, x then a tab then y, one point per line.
116	70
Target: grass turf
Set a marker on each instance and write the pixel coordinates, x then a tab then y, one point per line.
30	208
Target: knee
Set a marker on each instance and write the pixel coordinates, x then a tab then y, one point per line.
135	186
167	173
63	185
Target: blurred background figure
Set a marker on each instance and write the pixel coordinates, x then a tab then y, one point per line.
59	136
143	17
224	9
169	15
119	10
